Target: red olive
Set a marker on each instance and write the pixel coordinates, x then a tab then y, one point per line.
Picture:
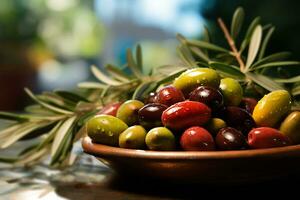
169	95
150	115
230	139
185	114
266	137
151	98
209	96
248	104
110	109
197	139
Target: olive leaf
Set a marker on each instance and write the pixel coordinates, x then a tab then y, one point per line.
132	65
227	70
294	79
206	45
117	73
296	90
264	81
201	54
273	57
254	46
91	85
139	58
276	64
103	78
237	21
265	42
249	33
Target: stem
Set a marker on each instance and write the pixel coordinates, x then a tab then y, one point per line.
231	43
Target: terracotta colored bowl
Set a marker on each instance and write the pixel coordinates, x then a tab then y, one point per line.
205	167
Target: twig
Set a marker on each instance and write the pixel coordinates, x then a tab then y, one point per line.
231	43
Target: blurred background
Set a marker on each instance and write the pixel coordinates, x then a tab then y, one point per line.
49	44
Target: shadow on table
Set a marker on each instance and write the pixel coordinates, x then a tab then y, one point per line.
129	188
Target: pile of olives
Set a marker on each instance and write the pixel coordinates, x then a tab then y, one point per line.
199	111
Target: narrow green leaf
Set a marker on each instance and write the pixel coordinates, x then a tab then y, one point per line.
200	54
206	34
57	101
264	81
237	22
254	46
186	55
117	73
206	45
296	90
171	77
102	77
24	130
46	105
8	160
227	70
294	79
49	137
39	110
71	96
28	149
9	130
273	57
84	118
132	65
64	129
139	93
276	64
14	116
91	85
139	57
181	38
267	26
249	33
265	43
34	156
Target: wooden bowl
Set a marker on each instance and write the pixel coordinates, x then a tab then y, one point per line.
204	167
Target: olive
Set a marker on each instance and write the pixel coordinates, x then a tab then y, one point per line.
110	109
169	95
239	118
266	137
197	139
291	127
272	108
214	125
105	129
248	104
150	115
209	96
195	77
128	111
133	138
151	98
161	139
185	114
230	139
232	91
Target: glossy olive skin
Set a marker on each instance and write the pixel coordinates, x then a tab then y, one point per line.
169	95
266	137
110	109
105	129
150	115
212	97
214	125
128	112
232	91
291	127
195	77
133	138
197	139
248	104
239	118
160	139
185	114
151	98
272	108
230	139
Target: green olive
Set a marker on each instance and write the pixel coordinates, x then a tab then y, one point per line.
192	78
128	112
214	125
291	127
272	108
232	91
105	129
133	138
160	139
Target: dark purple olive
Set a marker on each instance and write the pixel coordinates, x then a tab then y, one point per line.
248	104
239	118
150	115
169	95
230	139
151	98
207	95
